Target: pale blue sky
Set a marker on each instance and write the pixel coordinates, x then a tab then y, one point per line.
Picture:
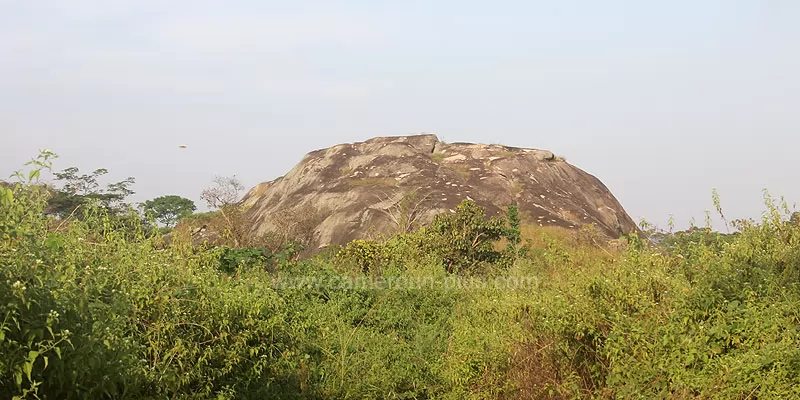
660	100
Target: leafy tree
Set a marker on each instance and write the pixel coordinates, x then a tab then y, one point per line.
168	209
466	238
74	183
80	189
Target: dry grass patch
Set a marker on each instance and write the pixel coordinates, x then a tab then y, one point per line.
437	157
461	170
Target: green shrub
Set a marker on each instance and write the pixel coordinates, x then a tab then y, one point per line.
463	241
97	307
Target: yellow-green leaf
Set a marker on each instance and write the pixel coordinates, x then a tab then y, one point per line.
28	367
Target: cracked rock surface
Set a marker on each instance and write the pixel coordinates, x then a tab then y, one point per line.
361	189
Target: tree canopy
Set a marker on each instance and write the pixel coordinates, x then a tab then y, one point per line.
169	209
78	189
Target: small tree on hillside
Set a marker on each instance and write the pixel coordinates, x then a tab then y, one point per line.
296	225
224	195
168	210
466	237
406	210
224	191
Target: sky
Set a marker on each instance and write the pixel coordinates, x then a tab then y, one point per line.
662	101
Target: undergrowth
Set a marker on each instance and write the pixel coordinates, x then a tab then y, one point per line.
468	307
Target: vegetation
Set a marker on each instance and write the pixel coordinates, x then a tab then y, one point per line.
168	209
462	170
467	307
230	227
437	157
78	190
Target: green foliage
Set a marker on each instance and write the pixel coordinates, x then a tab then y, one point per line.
200	219
168	209
367	255
92	313
84	189
709	319
682	242
100	309
232	260
463	241
513	233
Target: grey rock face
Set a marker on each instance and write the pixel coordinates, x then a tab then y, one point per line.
384	184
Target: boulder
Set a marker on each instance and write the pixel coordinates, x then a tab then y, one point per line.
389	184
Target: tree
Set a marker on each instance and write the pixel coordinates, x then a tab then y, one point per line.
466	237
80	189
168	209
224	191
223	195
406	210
297	225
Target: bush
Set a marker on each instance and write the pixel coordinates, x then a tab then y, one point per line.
232	260
96	307
463	241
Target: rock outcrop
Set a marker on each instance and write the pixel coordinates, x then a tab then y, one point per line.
388	184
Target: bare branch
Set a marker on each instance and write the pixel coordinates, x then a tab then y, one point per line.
223	192
405	211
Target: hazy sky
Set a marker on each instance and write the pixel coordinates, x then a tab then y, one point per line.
660	100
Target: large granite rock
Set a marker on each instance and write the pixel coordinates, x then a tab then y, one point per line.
385	184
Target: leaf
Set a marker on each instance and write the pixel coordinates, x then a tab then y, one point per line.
27	368
58	352
46	362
